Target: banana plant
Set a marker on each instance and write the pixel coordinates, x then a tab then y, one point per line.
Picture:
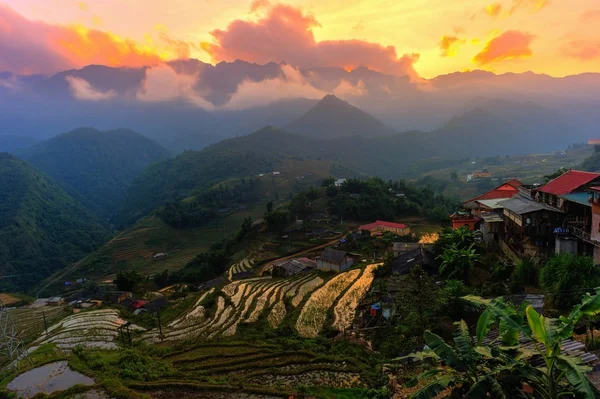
470	370
562	375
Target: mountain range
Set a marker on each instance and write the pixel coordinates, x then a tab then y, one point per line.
190	104
95	167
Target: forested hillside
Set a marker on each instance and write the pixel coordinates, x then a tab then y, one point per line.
592	164
96	167
42	229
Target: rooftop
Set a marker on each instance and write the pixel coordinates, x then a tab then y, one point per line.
568	182
381	223
579	198
296	265
334	256
491	217
492	203
505	190
521	206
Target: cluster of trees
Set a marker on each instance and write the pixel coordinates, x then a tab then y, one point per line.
375	199
205	206
205	266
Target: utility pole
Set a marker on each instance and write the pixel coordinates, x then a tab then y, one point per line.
10	342
45	323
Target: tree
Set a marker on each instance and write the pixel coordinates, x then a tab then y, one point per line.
475	370
417	302
269	206
453	176
566	273
126	281
562	374
552	176
457	261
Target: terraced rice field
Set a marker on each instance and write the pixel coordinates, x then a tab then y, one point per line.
29	322
91	329
242	301
248	301
244	368
345	309
244	265
314	313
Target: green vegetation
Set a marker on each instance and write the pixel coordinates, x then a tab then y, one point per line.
42	229
592	164
95	167
374	199
477	370
566	275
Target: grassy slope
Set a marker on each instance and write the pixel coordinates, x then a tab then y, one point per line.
133	248
527	168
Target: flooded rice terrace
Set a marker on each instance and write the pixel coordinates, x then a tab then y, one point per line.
47	379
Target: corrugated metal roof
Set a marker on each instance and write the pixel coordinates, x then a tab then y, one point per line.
521	206
568	182
491	217
492	203
579	198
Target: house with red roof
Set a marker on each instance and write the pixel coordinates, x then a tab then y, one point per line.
505	190
379	227
571	182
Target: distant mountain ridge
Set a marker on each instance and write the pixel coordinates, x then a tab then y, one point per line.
36	105
335	118
42	228
96	167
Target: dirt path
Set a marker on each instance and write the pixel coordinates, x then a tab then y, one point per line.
266	265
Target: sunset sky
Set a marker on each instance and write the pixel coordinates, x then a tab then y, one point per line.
421	37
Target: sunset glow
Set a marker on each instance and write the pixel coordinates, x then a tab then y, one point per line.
422	38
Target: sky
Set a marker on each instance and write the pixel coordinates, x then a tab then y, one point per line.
421	38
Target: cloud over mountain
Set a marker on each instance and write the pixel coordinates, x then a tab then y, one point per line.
509	45
285	34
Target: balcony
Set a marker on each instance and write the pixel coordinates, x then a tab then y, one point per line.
585	236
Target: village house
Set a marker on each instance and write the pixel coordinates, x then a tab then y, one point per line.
379	227
487	202
339	182
56	301
292	267
529	226
335	260
478	176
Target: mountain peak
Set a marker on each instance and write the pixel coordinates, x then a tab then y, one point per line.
333	117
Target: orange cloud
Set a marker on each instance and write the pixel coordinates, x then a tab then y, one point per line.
449	45
493	9
36	47
285	35
583	50
532	5
509	45
590	16
259	4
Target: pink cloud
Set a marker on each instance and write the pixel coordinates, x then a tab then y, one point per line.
285	34
584	50
509	45
28	46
